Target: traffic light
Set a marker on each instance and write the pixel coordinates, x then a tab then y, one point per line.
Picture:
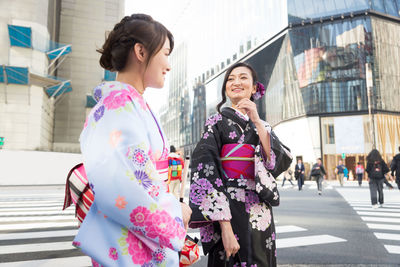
2	141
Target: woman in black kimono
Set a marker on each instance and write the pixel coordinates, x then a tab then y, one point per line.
232	192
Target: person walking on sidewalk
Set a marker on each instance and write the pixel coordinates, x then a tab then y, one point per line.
395	168
340	172
299	174
319	173
359	173
287	175
175	168
376	169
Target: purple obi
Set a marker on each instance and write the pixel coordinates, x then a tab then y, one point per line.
238	161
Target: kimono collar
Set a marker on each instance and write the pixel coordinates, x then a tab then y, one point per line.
236	116
106	87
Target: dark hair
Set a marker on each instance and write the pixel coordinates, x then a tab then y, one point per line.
358	163
373	156
137	28
228	72
172	149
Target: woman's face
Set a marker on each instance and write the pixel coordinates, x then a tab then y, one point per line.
158	67
240	84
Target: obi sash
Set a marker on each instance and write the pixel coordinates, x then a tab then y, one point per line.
238	161
162	169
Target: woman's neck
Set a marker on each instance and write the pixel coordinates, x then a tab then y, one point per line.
132	78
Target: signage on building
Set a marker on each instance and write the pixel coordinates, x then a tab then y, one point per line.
349	135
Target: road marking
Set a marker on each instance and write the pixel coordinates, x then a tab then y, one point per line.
44	234
289	229
307	241
379	213
379	219
26	248
376	210
26	226
36	209
393	249
37	218
387	236
369	205
384	226
48	212
31	204
71	261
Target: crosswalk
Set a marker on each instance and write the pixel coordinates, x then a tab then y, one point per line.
34	231
308	185
384	221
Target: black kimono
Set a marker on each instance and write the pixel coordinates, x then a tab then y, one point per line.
246	200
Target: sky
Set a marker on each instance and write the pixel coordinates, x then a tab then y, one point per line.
167	13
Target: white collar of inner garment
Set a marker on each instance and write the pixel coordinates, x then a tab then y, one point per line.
244	115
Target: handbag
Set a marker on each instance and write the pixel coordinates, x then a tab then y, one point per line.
190	252
283	156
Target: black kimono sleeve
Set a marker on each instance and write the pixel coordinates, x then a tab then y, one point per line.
208	197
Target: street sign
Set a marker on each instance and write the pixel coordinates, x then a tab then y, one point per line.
2	141
343	155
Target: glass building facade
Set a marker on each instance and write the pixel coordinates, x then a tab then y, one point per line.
315	72
319	68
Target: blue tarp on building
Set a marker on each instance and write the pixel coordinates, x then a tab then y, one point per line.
59	89
58	50
109	76
20	36
16	75
90	101
1	74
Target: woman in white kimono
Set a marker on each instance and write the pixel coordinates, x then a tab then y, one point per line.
133	221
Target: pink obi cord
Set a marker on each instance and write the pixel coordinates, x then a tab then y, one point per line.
238	161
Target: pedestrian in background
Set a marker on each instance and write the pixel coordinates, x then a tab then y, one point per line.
339	170
395	168
359	173
288	175
232	190
133	221
299	174
319	173
376	169
175	168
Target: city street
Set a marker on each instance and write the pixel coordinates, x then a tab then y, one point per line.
339	227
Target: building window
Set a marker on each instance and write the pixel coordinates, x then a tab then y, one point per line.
330	134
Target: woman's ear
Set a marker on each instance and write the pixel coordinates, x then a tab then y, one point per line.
254	89
140	52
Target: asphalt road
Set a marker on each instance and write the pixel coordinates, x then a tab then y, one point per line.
337	228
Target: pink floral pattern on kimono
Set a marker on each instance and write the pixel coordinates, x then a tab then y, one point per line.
117	148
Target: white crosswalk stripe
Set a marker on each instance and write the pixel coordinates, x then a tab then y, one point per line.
34	223
302	239
383	221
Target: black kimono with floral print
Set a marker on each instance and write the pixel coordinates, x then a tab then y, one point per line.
247	203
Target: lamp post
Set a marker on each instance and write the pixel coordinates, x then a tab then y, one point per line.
370	85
